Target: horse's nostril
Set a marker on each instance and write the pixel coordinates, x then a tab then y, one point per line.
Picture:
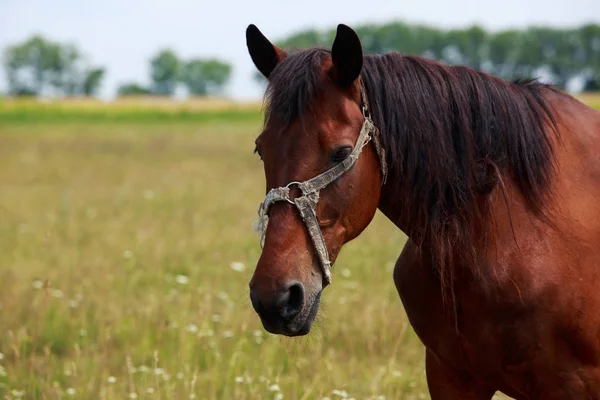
279	308
291	301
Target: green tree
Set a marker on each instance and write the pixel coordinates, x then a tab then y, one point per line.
67	72
565	53
132	89
164	72
590	55
92	81
37	66
32	66
202	77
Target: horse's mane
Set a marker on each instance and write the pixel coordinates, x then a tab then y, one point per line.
451	134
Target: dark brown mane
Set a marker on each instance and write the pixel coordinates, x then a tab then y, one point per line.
451	134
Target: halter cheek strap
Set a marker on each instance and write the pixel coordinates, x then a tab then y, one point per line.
307	203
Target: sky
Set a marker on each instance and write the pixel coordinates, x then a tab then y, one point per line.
124	34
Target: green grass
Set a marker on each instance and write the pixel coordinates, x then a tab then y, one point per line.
116	242
140	111
116	247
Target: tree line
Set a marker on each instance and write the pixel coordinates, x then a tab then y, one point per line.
562	54
38	66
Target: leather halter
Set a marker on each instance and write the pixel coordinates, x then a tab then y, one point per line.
307	203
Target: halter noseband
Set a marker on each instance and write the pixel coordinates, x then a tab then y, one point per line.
307	203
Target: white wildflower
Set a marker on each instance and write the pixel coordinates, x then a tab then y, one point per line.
111	379
159	371
2	371
239	379
223	296
227	334
150	390
57	293
278	396
182	279
258	336
127	254
179	375
143	368
274	388
215	318
82	333
1	356
71	391
191	328
38	284
18	393
340	393
133	395
237	266
346	273
397	373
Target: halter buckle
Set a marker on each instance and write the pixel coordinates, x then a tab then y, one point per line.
288	198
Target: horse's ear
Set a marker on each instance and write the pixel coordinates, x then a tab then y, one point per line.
347	56
264	54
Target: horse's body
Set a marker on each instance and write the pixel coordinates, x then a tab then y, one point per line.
497	186
530	324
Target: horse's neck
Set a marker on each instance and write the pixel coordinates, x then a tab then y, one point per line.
495	216
388	203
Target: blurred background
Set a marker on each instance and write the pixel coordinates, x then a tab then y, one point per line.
128	192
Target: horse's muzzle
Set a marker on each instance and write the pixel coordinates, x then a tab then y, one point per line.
288	311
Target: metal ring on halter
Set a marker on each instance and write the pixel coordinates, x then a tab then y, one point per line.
288	186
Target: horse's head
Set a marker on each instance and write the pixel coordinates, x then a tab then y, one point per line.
317	126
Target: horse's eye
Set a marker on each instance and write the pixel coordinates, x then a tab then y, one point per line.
341	153
257	151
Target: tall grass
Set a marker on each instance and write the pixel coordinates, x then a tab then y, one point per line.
125	253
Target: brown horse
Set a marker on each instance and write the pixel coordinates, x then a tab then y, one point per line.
496	184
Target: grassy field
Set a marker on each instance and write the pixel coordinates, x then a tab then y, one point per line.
126	247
